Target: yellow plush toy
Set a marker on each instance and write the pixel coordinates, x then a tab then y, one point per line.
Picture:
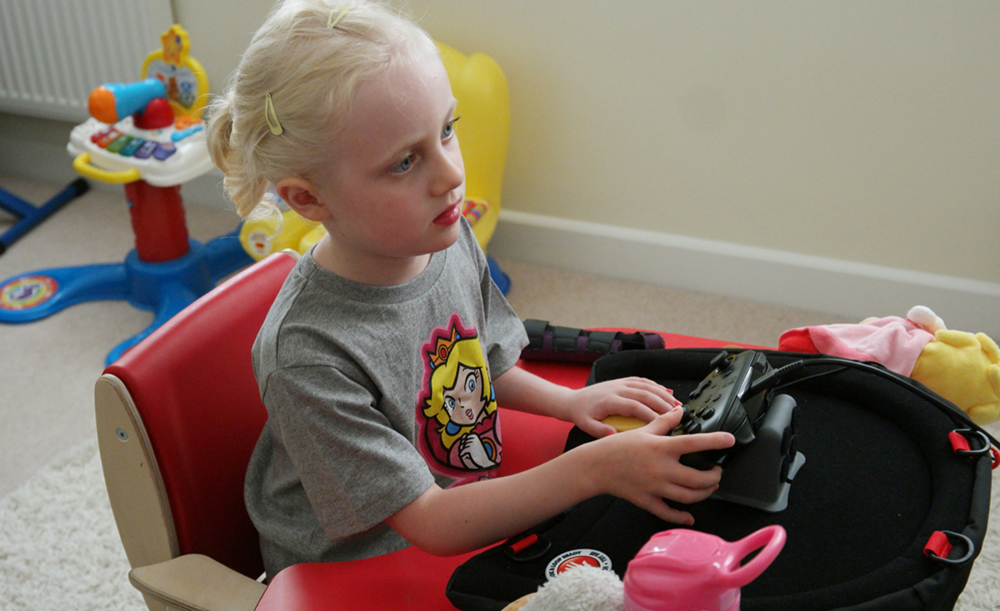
962	367
478	84
965	369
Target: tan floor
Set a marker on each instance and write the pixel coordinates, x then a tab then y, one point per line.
48	367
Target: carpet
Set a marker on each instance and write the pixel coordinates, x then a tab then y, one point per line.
59	548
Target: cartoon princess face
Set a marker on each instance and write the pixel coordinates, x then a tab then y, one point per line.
464	402
459	426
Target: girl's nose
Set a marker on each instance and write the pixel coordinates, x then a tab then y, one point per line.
450	173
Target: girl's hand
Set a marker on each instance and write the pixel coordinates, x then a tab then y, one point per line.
643	467
636	397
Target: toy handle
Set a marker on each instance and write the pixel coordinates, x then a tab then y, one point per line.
112	102
82	165
772	538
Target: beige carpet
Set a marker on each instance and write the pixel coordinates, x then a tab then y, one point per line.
48	369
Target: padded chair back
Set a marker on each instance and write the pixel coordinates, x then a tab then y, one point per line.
178	417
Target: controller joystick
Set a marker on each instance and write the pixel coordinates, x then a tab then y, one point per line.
719	403
719	360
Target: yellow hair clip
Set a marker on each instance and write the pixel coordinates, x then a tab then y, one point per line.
335	16
271	116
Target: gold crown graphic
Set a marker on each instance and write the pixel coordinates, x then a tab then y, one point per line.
442	348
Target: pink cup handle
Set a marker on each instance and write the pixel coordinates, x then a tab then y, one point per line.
772	538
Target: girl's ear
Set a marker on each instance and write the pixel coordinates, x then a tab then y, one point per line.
303	197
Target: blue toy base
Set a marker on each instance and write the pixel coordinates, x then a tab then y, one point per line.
29	215
164	288
501	279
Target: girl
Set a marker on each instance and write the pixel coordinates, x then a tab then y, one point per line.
346	110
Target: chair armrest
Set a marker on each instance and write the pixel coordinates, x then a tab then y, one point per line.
197	583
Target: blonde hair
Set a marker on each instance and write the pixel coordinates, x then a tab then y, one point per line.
306	65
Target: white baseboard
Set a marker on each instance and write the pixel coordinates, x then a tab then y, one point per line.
843	288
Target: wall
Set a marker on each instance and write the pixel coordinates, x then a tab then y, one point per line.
859	131
841	156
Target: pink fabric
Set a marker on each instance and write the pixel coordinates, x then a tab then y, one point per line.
892	341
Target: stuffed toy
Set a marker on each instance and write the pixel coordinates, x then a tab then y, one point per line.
962	367
584	588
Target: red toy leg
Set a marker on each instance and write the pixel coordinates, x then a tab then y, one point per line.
158	221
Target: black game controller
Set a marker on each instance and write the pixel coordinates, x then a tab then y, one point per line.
719	403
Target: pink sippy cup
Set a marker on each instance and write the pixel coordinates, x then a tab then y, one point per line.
686	570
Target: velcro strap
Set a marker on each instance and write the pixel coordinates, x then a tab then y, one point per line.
564	338
601	341
536	333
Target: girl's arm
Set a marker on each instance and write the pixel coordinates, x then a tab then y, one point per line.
640	466
585	407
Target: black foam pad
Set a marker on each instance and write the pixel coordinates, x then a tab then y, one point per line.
879	479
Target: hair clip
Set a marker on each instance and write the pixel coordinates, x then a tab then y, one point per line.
335	16
271	116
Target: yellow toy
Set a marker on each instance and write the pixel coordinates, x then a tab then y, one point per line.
262	236
484	105
181	74
965	369
962	367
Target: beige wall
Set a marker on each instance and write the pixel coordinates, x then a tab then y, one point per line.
854	130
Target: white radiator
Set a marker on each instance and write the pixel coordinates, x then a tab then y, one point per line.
53	53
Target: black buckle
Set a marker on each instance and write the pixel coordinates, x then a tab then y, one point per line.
966	449
943	542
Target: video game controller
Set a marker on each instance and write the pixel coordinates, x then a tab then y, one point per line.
719	403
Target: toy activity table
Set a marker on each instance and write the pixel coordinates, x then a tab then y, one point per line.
148	136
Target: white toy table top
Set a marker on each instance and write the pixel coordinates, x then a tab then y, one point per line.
123	152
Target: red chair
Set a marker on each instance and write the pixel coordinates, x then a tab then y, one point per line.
177	418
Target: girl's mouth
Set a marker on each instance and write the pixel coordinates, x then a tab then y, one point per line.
449	216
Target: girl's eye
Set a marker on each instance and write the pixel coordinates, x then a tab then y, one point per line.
449	129
403	166
470	383
449	404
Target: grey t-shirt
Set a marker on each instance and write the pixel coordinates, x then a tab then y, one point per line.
373	394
